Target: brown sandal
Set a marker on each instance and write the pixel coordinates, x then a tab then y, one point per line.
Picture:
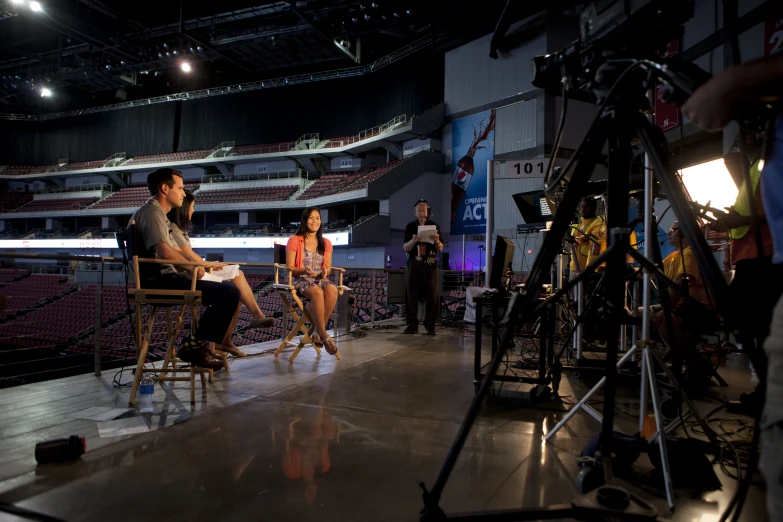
317	342
329	346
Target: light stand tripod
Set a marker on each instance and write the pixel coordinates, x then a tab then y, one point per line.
619	120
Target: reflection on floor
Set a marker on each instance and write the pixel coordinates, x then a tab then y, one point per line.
319	439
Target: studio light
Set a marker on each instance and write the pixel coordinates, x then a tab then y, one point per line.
45	93
711	183
199	49
186	67
17	1
35	6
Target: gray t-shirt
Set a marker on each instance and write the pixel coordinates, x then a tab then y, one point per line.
179	236
154	227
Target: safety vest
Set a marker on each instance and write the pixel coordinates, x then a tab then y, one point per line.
742	204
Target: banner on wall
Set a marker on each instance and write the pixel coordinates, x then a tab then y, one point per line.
473	142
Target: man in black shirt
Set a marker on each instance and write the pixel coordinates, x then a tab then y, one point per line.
421	274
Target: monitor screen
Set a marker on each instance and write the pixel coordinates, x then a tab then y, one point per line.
535	206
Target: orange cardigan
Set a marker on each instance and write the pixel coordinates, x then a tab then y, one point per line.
296	244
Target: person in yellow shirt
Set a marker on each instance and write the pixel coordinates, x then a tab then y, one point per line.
589	236
680	266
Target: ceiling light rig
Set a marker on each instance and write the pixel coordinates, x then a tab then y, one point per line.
186	67
45	92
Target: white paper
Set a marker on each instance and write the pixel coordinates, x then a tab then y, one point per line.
226	273
99	413
127	426
426	232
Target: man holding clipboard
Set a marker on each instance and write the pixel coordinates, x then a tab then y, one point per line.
422	243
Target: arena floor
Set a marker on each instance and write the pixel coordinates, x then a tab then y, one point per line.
319	439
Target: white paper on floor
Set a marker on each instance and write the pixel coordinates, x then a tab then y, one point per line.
127	426
99	413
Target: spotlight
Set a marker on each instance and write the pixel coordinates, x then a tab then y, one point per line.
108	67
186	67
168	53
396	15
176	53
199	49
192	50
355	20
160	55
361	6
45	93
122	62
35	6
374	5
157	73
384	17
367	17
17	1
165	46
409	12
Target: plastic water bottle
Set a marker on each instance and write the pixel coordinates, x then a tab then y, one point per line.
146	391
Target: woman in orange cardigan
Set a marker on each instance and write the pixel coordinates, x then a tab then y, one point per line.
308	256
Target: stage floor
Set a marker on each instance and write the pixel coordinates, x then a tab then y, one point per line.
319	439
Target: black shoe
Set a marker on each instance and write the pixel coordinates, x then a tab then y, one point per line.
411	330
429	331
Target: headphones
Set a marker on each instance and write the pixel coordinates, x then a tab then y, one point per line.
429	208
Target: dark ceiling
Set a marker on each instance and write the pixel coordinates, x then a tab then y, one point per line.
90	52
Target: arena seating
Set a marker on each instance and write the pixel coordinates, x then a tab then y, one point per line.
270	148
24	294
63	320
244	195
12	200
363	306
50	205
131	197
10	275
18	170
168	157
83	165
338	182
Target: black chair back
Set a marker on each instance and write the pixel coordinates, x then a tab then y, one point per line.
280	254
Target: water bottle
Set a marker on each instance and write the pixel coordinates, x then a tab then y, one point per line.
146	391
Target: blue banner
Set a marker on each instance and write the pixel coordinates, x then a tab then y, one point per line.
473	144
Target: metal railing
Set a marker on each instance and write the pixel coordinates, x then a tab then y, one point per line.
72	312
385	127
103	187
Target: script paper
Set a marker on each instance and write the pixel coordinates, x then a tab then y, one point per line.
226	273
426	232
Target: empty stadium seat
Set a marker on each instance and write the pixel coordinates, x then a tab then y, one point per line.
245	195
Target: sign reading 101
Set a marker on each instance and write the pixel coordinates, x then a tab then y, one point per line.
527	169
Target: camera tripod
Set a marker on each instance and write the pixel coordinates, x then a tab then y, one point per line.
620	119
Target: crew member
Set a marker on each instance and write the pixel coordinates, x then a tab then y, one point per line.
421	274
589	236
711	107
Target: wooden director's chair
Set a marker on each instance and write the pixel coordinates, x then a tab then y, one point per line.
301	314
132	243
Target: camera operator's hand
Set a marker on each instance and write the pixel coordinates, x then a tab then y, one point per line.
714	104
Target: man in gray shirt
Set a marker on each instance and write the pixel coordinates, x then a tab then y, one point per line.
154	229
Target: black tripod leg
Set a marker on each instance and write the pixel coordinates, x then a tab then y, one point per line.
524	303
616	221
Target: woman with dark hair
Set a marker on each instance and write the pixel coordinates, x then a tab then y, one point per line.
180	225
309	258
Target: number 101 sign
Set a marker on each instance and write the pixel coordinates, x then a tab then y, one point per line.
535	168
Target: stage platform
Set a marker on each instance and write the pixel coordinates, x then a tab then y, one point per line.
319	439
